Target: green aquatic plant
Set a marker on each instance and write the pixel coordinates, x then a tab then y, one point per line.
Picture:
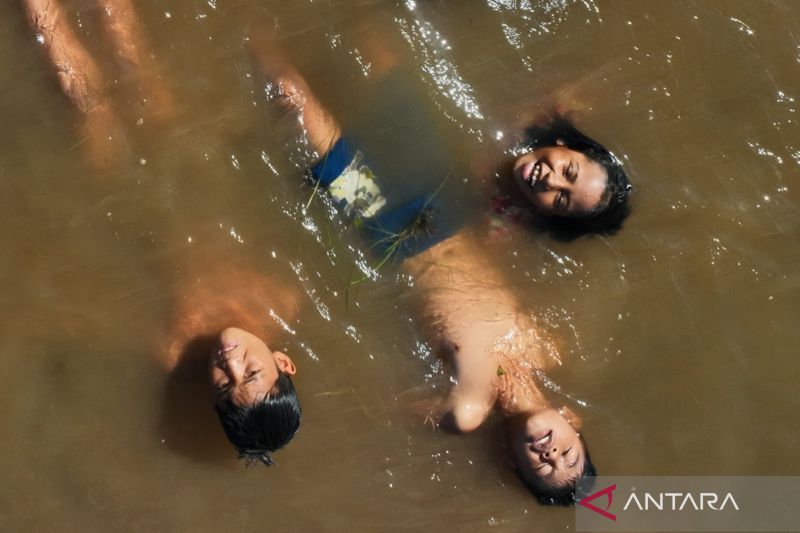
316	182
422	225
392	242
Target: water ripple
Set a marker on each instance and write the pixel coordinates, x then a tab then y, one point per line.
434	51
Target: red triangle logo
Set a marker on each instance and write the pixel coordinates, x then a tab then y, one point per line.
608	491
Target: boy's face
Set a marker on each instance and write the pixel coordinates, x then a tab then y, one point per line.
243	368
546	448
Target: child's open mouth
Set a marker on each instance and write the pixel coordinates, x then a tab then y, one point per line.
532	172
543	439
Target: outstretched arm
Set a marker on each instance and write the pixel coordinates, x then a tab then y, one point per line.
79	78
126	37
292	92
468	310
77	73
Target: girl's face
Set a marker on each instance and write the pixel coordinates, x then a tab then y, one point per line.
560	181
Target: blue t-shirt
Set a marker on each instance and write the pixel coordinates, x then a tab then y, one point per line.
391	170
399	231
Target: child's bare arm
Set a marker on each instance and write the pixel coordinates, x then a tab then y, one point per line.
127	40
321	128
78	76
467	307
291	90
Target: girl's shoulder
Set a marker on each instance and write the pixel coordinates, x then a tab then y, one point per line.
504	217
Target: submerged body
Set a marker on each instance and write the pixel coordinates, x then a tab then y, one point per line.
224	315
225	318
473	319
496	351
469	313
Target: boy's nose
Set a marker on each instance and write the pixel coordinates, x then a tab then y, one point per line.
233	365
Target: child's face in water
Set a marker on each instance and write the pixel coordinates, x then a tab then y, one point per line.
243	368
546	447
560	181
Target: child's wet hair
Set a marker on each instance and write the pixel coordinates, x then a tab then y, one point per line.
608	217
268	425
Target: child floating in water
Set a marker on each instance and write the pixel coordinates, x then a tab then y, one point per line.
469	314
226	316
496	352
223	317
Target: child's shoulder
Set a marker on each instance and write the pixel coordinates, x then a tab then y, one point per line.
204	304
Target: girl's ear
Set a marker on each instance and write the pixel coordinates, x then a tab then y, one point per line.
573	419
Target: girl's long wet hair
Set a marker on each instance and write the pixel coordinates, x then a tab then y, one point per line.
606	218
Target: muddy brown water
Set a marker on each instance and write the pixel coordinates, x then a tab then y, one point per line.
679	334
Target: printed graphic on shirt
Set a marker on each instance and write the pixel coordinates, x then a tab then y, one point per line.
357	189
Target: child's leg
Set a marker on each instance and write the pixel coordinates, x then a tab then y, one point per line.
78	76
130	46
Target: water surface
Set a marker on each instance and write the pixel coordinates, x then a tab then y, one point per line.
678	334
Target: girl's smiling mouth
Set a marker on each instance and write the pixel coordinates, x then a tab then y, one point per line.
531	172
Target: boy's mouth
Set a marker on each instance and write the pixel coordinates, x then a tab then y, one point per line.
226	349
543	439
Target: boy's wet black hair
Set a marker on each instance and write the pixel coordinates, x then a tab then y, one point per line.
564	495
606	218
258	430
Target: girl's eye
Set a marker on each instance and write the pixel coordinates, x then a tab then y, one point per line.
250	373
222	387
